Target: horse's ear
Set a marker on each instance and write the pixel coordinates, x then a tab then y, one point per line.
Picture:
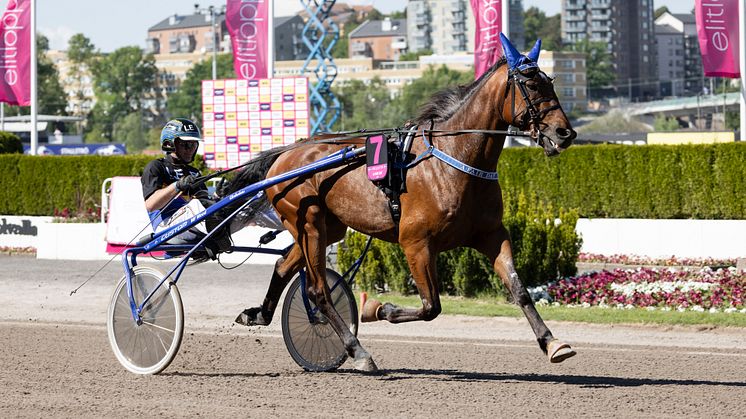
533	55
511	54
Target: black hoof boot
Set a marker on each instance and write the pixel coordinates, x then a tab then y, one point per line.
253	317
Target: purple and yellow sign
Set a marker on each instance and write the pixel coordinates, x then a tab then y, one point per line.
244	117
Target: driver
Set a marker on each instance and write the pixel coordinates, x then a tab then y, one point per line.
171	182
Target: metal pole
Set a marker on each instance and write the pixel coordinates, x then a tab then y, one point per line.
271	40
214	45
742	64
34	133
506	17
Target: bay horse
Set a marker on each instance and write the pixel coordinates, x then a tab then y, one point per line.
441	209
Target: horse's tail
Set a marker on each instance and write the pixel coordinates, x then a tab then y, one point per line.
255	170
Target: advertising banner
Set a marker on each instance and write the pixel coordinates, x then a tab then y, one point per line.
15	53
244	117
717	30
78	149
488	21
248	26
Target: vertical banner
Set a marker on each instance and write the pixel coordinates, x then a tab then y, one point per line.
248	26
717	30
15	53
487	47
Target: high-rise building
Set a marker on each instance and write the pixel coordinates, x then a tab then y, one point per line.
685	25
447	26
626	27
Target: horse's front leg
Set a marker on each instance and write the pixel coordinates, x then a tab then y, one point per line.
421	262
312	240
285	268
496	246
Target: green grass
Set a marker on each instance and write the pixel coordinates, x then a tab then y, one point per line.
492	307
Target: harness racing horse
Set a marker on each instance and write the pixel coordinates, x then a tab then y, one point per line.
445	205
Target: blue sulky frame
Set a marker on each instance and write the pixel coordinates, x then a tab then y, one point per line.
254	192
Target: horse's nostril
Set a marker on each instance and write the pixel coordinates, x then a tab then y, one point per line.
565	134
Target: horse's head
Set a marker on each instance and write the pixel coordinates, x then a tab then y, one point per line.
530	101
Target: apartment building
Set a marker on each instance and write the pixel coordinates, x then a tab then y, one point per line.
685	25
447	26
379	39
626	26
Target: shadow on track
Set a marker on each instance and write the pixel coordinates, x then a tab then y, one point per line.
583	381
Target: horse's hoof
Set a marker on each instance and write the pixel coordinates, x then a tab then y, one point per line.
252	317
559	351
368	309
365	364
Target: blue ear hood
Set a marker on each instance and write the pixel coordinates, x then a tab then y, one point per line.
515	59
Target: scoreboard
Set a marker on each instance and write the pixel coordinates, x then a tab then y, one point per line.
244	117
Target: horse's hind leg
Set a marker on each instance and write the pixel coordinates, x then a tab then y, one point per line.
312	240
285	268
497	247
421	262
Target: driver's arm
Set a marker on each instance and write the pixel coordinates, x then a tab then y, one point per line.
161	197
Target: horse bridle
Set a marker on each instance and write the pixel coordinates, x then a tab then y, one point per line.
532	116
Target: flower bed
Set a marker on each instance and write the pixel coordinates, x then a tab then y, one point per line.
644	260
722	290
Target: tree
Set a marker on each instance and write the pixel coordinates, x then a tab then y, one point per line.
186	101
415	55
51	97
537	25
415	94
122	82
659	11
363	104
130	131
665	124
80	52
599	70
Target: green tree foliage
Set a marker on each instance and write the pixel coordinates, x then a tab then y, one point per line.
538	25
415	55
52	99
665	124
186	101
659	11
130	131
417	93
10	143
364	105
122	81
599	69
613	122
80	52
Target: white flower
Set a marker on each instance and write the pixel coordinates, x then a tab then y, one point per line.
681	309
698	309
585	304
542	302
650	308
713	310
666	308
629	307
730	310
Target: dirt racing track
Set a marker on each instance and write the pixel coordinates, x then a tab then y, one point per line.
56	361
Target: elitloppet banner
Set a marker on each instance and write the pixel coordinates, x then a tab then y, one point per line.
487	46
717	29
15	53
248	23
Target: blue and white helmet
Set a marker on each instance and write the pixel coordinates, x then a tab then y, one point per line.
180	128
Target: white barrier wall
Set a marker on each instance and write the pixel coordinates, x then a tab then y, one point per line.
664	238
20	231
653	238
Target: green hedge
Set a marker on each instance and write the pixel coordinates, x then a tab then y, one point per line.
686	181
544	249
615	181
39	185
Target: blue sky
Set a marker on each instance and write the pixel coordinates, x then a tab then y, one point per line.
111	24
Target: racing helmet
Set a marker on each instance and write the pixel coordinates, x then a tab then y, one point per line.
180	128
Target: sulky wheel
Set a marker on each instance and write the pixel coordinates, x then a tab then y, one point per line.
148	347
313	344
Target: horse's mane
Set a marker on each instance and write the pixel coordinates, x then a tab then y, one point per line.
444	104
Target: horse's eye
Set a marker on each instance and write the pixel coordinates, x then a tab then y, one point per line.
533	86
